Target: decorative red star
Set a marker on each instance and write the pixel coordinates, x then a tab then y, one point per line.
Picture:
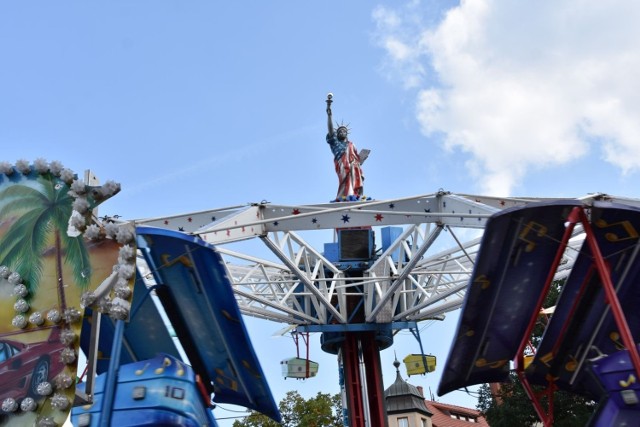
296	211
189	219
379	217
166	222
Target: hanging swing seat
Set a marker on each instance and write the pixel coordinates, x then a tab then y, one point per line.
419	364
297	367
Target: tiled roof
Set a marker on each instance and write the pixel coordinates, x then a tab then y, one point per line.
445	415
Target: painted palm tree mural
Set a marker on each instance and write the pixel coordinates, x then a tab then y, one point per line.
42	209
53	253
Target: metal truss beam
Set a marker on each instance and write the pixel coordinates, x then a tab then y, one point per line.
421	275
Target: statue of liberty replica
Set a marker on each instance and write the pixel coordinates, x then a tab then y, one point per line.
346	158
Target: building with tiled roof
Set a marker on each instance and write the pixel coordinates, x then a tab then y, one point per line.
407	407
445	415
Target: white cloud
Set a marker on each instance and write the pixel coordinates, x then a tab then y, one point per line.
397	49
400	43
519	85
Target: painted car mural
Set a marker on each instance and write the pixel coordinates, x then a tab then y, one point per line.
24	366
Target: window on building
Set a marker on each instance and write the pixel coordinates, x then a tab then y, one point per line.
463	417
403	422
423	422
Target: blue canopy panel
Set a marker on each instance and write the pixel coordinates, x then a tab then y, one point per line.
582	326
145	335
517	249
619	403
196	293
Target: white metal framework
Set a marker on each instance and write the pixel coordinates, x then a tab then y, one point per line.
421	275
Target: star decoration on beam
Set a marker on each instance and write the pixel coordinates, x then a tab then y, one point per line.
314	220
345	218
379	217
296	211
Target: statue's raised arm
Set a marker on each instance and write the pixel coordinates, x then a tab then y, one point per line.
329	114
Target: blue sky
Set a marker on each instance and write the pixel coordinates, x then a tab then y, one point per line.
198	105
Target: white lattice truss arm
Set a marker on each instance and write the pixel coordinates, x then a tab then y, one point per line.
421	275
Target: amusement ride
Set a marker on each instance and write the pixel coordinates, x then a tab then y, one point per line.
384	266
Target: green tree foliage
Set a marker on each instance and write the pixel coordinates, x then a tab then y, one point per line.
570	410
323	410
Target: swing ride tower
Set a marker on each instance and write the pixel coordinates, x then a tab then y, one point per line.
384	265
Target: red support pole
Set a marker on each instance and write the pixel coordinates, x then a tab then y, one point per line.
353	380
610	292
573	218
577	215
375	387
360	350
545	416
306	342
